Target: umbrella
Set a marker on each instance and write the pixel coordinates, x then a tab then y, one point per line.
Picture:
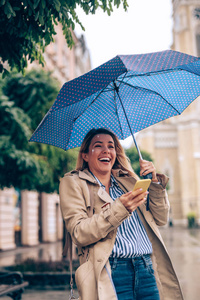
126	94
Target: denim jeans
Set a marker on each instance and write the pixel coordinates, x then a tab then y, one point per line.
134	278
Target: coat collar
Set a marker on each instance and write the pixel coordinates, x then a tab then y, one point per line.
125	181
85	174
120	175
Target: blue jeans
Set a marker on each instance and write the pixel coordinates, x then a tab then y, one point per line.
134	278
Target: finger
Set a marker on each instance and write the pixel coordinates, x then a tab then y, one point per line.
144	162
132	194
132	200
125	198
145	166
141	196
148	169
137	192
135	204
141	202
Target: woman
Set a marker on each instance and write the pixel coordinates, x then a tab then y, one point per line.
119	242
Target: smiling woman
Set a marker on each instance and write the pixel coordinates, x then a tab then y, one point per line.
119	250
101	158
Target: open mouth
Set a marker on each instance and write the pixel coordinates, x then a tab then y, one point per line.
105	159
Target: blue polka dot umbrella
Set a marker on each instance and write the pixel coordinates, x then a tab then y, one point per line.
126	94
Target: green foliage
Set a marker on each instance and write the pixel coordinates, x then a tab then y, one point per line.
14	120
23	103
27	27
16	164
134	158
33	93
54	163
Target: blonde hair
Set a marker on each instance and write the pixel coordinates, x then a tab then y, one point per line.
121	162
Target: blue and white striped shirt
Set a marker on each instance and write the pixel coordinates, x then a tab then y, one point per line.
131	239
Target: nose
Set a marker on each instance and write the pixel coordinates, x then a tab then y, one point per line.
105	149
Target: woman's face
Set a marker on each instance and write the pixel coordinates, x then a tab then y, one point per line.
101	156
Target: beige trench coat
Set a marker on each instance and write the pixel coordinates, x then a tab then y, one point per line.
93	278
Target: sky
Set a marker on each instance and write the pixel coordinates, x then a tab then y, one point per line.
145	27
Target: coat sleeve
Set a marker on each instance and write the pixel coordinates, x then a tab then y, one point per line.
159	204
84	230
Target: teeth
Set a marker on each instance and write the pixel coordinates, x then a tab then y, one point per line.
104	159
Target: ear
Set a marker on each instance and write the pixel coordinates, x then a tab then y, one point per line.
85	157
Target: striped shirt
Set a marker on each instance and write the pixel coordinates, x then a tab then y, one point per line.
131	239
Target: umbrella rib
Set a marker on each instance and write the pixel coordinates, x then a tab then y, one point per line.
121	80
149	90
102	91
152	73
118	114
117	91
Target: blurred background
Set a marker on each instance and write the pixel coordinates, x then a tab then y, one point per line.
31	225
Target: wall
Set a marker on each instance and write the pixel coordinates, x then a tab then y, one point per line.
29	218
7	238
52	224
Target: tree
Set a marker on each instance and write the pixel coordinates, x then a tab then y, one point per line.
27	27
17	166
24	100
134	158
34	93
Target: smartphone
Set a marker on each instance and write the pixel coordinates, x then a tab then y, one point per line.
142	184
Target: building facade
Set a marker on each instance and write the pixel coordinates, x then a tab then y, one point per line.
65	63
175	143
28	217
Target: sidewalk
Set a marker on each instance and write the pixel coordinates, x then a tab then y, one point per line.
44	295
183	246
45	251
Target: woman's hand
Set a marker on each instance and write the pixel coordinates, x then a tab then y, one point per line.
147	167
132	200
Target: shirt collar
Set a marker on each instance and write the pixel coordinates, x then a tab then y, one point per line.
112	179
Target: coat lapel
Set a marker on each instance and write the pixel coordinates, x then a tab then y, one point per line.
85	174
126	183
102	194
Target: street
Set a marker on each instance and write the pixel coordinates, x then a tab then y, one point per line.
183	246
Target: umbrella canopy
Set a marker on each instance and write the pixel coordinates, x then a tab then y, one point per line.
126	94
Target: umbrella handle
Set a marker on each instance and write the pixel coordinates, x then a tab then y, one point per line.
136	145
148	176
